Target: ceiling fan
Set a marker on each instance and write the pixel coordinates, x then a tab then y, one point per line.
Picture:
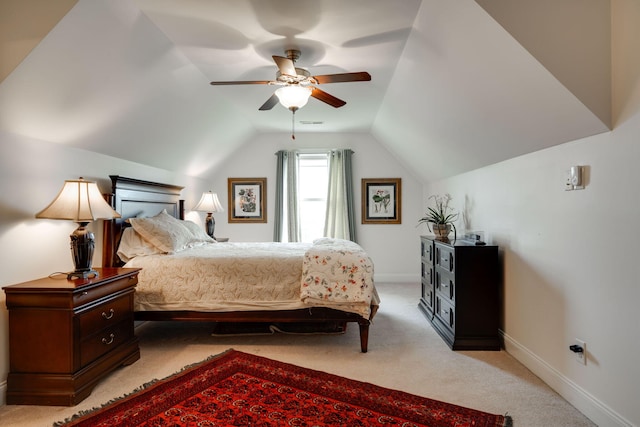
297	84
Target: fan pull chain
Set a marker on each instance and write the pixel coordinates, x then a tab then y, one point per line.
293	124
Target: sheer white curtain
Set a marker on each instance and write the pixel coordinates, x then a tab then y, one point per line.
287	217
340	218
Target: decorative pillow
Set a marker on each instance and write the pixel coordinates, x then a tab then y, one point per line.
164	231
133	245
199	235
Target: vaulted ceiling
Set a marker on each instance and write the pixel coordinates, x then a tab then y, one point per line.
456	85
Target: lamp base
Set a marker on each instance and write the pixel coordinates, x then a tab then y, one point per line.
87	274
210	225
82	246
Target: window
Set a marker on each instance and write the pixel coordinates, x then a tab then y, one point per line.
313	178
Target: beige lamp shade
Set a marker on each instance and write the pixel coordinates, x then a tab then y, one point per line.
79	201
209	202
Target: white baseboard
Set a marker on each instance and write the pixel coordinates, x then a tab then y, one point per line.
396	278
592	408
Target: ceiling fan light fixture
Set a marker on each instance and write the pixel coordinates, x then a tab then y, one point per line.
293	97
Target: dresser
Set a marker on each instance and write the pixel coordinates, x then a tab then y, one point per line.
461	295
66	335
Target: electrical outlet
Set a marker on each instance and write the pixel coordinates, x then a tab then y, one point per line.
581	356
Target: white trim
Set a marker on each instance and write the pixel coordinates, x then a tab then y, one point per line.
396	278
594	409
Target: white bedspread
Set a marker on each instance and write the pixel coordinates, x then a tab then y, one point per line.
231	276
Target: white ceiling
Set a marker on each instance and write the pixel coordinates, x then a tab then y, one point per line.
451	89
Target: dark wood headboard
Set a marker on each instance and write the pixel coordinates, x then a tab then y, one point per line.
133	198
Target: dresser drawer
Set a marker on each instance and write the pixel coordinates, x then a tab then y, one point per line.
446	313
106	314
445	285
427	273
427	251
444	257
94	346
428	295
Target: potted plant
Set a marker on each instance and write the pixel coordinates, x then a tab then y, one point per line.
440	217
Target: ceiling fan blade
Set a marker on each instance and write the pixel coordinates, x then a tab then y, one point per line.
325	97
271	102
361	76
285	65
243	82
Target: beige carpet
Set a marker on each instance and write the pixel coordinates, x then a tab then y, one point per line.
404	353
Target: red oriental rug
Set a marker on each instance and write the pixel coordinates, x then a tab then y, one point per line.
239	389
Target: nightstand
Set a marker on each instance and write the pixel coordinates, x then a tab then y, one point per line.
66	335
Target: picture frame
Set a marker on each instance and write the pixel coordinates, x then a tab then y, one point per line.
247	200
382	200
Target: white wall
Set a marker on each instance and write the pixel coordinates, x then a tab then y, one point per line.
393	247
31	174
570	257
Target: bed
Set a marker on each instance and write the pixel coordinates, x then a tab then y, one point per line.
282	282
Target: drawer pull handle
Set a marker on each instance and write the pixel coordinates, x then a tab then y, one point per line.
108	341
108	316
85	293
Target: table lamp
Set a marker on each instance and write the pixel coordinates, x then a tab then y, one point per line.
82	202
209	203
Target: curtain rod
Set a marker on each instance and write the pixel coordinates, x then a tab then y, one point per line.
313	151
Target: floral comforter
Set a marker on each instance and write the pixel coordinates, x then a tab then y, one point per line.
335	272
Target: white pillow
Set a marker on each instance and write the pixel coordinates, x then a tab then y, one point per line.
132	245
165	232
200	236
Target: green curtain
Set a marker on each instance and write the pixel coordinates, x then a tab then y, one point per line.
340	217
287	217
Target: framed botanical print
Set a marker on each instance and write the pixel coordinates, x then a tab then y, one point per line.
247	201
381	200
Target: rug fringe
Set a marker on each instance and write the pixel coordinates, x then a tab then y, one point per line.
138	389
508	420
81	414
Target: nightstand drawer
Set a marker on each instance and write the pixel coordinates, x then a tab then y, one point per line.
90	294
106	314
106	340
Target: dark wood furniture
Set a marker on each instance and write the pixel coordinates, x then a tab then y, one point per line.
137	198
461	292
428	294
65	335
